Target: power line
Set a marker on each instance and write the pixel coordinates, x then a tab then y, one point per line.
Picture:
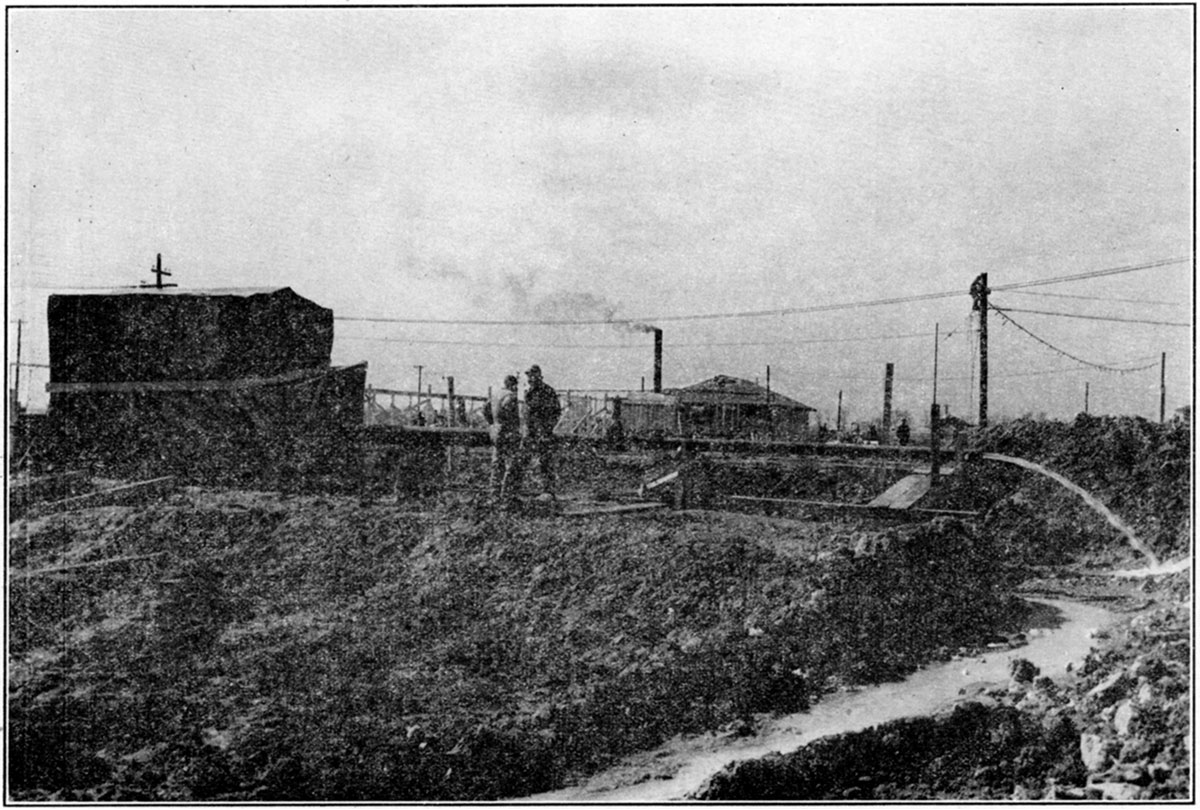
638	346
1054	348
1099	298
1091	317
1111	271
906	299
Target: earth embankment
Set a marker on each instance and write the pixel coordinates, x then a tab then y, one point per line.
245	646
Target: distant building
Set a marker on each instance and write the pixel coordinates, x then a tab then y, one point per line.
720	407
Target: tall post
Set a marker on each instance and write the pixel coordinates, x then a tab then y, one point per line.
979	291
419	368
936	329
452	416
839	415
1162	390
17	376
935	444
770	416
886	435
1086	392
658	346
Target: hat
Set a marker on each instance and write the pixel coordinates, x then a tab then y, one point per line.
535	369
510	379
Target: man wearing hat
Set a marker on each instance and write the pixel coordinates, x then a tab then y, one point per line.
541	415
505	423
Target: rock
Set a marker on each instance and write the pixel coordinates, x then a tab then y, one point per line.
1133	774
1122	717
1172	687
1113	791
1145	694
1109	690
1135	749
1023	670
1023	794
1035	702
1094	752
1148	667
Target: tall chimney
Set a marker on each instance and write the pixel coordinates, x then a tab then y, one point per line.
658	361
885	437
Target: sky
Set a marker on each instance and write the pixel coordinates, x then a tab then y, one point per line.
682	167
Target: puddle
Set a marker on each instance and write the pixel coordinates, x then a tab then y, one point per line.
683	764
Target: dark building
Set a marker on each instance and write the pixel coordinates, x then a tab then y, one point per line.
217	385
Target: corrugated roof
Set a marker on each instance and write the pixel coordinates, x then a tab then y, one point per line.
734	391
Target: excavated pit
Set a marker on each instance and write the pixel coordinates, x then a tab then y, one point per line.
239	646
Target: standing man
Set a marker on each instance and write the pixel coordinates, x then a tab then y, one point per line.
902	432
541	415
505	427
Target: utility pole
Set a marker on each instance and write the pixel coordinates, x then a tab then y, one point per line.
770	417
158	272
1162	390
936	329
979	292
419	369
839	415
17	377
1086	392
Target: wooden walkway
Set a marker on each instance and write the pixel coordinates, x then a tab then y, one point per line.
907	491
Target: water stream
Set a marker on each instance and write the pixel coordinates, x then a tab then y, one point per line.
683	764
1088	497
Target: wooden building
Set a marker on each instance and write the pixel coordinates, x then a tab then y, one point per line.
720	407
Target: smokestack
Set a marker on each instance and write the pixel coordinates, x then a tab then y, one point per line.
885	438
657	361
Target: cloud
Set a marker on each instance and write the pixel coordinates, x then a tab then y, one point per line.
624	84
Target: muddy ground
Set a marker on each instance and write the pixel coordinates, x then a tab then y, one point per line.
227	646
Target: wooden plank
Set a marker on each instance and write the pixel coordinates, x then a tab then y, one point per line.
424	394
836	505
904	493
137	491
614	509
799	502
661	480
58	569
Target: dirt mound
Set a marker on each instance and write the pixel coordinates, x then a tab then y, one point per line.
1118	729
1140	470
251	647
977	751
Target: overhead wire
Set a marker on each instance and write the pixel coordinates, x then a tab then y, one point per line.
1098	298
1062	352
1091	317
638	346
645	319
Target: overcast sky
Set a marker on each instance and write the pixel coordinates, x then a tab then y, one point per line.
633	164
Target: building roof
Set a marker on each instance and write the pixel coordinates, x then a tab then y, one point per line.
726	390
236	292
